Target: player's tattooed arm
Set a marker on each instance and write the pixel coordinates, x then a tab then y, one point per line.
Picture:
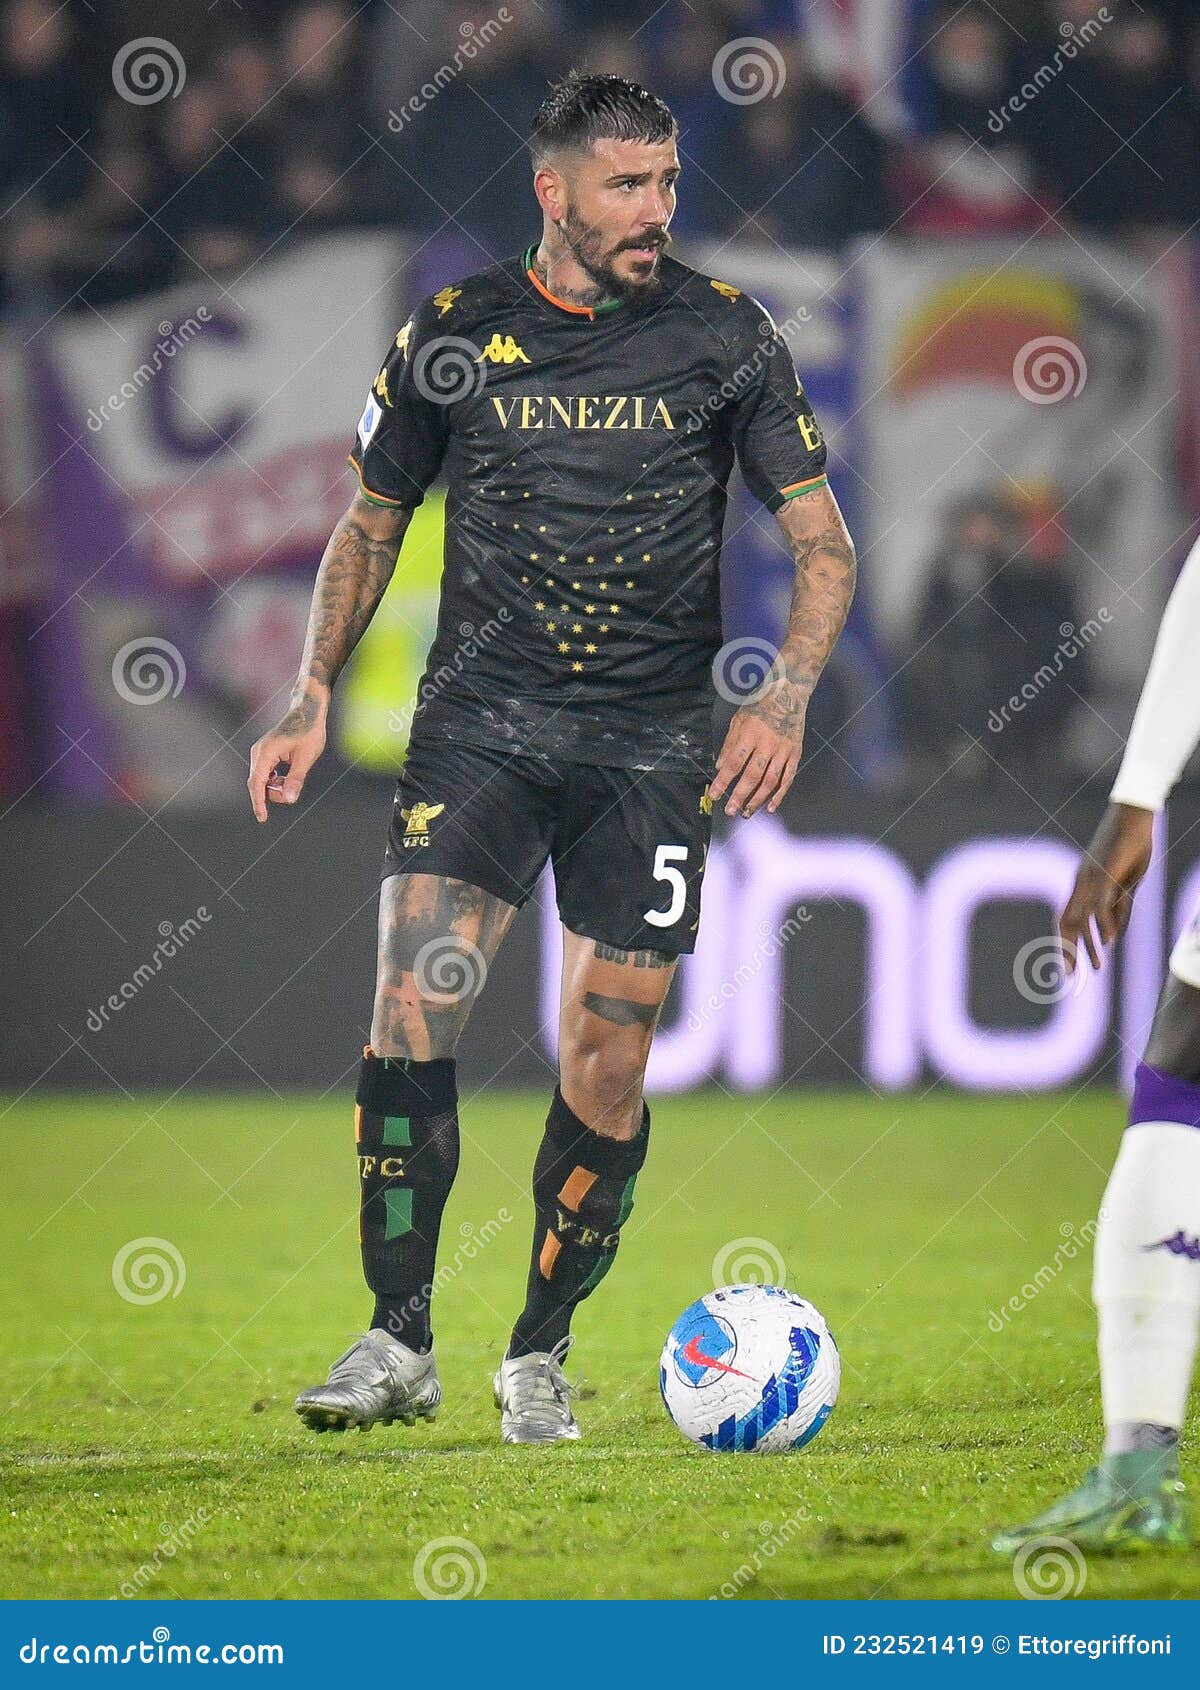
761	753
354	573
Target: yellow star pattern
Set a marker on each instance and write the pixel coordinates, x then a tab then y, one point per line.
577	668
590	649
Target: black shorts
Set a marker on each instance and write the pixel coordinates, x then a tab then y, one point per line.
627	845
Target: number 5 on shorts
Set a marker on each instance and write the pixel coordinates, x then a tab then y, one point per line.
665	857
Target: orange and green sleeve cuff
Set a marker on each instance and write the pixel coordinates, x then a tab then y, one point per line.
799	487
375	498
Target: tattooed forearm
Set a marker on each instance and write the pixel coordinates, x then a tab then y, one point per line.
824	586
354	572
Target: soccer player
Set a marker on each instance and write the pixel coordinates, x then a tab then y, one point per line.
585	403
1146	1283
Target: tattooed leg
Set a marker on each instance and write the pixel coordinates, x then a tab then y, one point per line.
437	937
610	1006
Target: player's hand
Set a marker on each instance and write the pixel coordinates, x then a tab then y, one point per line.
758	761
296	743
1111	872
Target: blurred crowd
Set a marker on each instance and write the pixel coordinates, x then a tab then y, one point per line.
142	144
276	120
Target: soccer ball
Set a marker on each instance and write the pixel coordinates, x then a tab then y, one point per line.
750	1367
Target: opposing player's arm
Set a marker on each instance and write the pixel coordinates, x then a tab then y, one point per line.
761	753
354	572
1165	733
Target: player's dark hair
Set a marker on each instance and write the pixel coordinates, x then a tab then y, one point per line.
583	108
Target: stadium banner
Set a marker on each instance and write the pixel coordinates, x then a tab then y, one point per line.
839	1642
839	946
1045	376
194	448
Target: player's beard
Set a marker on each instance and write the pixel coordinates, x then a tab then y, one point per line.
587	245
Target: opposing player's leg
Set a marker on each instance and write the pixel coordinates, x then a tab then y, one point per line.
1146	1287
626	922
467	844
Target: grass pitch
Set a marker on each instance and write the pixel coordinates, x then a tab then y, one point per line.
151	1448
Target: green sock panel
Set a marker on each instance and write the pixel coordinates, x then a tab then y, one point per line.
406	1128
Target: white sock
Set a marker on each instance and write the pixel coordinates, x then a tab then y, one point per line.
1146	1284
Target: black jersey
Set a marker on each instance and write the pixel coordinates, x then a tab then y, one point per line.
586	455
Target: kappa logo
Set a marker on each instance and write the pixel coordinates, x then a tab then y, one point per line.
416	824
445	299
502	349
381	387
706	804
403	338
726	290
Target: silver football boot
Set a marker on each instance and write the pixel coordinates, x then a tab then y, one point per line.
378	1378
534	1398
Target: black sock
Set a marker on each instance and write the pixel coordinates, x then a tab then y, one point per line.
406	1128
582	1194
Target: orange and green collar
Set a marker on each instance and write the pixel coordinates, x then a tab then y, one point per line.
564	304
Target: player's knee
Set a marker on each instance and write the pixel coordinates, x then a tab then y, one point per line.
602	1070
407	1022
